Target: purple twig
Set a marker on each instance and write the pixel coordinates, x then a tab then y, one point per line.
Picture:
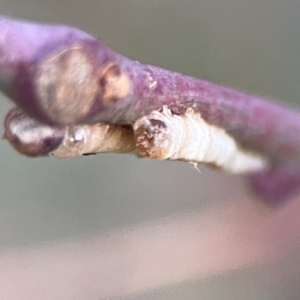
61	76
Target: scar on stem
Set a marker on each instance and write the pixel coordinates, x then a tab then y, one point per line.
114	84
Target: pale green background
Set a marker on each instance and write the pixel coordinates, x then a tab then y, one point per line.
250	45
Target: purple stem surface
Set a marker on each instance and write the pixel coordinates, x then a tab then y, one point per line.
61	75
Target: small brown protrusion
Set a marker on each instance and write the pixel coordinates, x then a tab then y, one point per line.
114	84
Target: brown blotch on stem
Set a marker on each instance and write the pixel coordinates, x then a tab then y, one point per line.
114	84
177	109
66	85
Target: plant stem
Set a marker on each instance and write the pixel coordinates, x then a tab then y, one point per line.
61	76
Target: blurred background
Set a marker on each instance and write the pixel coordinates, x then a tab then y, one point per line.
118	227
